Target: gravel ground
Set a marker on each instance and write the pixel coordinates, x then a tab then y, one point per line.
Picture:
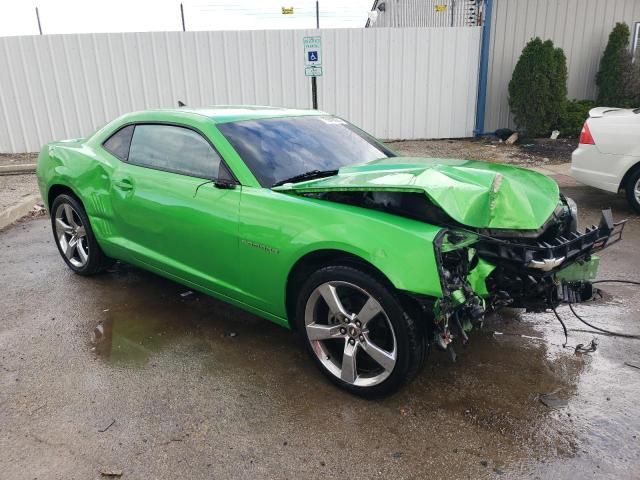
530	153
14	187
18	158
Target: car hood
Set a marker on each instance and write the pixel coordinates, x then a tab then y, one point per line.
475	194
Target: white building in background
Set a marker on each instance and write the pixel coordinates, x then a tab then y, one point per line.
425	13
580	27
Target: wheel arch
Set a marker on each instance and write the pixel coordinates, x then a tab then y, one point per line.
312	261
58	189
630	171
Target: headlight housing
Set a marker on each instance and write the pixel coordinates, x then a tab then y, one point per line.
573	209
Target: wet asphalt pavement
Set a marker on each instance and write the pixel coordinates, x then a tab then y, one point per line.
120	372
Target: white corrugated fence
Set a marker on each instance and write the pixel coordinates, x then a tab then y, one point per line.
395	83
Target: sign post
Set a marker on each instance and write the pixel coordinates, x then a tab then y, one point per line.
313	64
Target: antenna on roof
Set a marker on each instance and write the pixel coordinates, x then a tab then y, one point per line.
181	104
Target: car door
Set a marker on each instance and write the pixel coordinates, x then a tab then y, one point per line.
168	211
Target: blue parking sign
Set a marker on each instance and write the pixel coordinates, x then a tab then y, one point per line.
312	53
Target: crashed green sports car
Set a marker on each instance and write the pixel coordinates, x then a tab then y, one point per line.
305	220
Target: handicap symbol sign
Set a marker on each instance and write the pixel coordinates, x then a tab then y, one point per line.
312	51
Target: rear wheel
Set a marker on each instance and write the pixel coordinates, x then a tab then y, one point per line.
357	332
632	188
74	237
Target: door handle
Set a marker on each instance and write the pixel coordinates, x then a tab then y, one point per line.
123	184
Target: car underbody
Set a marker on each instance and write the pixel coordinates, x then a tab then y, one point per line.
482	270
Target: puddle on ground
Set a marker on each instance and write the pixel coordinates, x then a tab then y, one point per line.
496	385
601	411
129	340
142	314
145	315
506	393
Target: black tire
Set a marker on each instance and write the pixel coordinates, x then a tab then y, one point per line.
410	345
96	260
630	187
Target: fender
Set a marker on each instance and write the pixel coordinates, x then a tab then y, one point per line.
401	248
384	252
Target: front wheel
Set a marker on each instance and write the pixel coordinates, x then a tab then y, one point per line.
357	331
632	188
74	237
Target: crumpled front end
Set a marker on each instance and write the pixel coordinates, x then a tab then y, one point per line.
508	238
464	296
543	274
481	272
462	192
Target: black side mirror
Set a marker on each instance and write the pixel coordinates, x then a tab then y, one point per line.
225	184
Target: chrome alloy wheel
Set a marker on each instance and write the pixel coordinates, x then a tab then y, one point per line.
350	333
636	190
71	235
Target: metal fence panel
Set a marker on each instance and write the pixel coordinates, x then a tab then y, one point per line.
580	27
396	83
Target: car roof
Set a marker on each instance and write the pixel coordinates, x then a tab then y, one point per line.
234	113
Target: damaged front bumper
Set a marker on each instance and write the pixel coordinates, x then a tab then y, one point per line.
480	273
543	274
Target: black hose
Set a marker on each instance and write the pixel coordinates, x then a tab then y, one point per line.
630	282
615	334
564	327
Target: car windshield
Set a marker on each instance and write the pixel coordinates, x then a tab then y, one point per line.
276	149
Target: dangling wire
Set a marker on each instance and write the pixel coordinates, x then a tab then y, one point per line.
609	332
630	282
564	327
580	348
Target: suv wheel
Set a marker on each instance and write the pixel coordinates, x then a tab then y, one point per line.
357	332
633	190
74	237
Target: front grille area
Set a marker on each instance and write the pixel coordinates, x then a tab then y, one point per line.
556	253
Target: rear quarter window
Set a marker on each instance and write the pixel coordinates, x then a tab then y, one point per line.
118	143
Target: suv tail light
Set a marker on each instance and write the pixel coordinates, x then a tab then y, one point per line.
585	135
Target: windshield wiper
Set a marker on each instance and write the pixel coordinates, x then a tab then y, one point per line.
306	176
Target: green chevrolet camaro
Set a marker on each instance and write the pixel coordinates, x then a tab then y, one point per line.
307	221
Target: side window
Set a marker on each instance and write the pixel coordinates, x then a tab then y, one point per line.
176	149
118	143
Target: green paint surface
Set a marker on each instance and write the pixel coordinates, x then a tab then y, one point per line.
478	275
475	194
581	271
241	244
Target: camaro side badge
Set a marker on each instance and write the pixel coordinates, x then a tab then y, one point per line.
265	248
